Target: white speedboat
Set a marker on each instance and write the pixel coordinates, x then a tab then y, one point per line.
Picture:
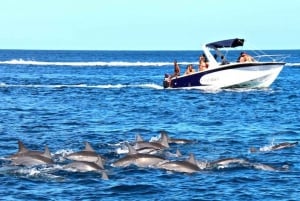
234	74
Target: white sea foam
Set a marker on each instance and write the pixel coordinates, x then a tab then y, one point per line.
267	147
101	63
104	86
153	86
155	138
59	156
121	150
109	86
293	64
88	63
29	171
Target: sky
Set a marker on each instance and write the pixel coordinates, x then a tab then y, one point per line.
147	24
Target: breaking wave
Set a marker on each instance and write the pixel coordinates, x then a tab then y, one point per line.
101	63
87	63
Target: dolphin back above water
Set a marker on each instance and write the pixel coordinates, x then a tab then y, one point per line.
31	160
27	157
158	145
176	140
275	147
187	166
242	163
284	145
138	159
88	154
85	166
23	151
228	162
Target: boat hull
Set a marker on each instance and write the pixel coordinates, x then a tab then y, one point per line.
236	75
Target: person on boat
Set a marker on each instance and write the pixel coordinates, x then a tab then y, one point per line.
189	69
203	64
244	57
176	73
176	70
223	60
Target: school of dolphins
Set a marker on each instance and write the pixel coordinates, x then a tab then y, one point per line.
141	153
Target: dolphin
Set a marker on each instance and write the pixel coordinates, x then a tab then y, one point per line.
260	166
158	145
139	138
173	155
138	159
88	154
142	150
284	145
148	150
143	147
85	166
177	140
23	151
104	175
31	160
275	147
227	162
187	166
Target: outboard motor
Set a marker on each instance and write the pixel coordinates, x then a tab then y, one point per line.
166	82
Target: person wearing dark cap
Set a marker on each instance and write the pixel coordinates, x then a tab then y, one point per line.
241	57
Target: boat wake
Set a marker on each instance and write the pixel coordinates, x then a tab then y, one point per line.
104	86
293	64
207	89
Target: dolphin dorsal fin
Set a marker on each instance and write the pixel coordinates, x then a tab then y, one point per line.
47	152
192	159
131	150
178	153
88	147
104	175
22	148
138	138
164	139
99	162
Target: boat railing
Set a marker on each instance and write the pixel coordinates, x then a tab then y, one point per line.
269	57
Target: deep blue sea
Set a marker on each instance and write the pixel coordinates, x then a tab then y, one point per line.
64	98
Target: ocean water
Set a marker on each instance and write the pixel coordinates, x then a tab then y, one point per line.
64	98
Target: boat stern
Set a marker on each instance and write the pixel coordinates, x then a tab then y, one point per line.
167	80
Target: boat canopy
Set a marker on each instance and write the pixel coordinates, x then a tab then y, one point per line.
226	43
